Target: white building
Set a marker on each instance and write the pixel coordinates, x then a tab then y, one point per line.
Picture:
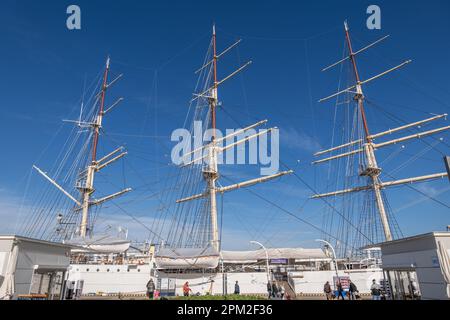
418	267
31	268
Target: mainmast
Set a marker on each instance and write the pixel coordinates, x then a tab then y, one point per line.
371	169
85	182
369	147
210	172
210	169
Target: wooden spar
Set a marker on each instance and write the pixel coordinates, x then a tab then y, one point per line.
112	196
339	156
379	145
237	186
220	150
194	197
203	94
237	132
414	180
386	72
338	93
110	154
113	105
390	131
107	163
410	125
351	143
356	53
218	56
246	139
365	81
340	192
383	185
253	182
414	136
57	185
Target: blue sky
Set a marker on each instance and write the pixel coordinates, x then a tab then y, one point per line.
159	44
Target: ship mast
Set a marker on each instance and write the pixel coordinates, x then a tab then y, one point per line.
210	172
88	188
371	169
85	182
210	169
369	147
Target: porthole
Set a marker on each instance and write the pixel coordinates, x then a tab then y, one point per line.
98	270
139	270
118	270
107	270
87	270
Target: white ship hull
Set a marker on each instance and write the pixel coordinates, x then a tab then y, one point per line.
111	278
132	279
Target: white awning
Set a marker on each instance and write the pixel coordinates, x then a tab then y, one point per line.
273	253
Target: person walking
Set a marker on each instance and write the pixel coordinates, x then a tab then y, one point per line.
375	290
353	290
186	289
340	290
327	290
269	289
150	288
237	289
282	292
274	290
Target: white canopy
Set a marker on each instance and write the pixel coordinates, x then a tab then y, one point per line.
187	258
100	244
273	253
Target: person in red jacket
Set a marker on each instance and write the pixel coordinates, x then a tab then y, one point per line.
186	289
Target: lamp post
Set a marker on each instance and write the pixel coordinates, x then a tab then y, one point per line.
334	258
267	258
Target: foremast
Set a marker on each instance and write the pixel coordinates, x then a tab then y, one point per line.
85	182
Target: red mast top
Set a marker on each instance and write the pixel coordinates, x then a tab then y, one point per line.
213	109
358	81
100	112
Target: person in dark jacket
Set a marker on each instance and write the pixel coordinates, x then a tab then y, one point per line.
269	289
353	290
274	289
237	289
327	290
340	290
150	289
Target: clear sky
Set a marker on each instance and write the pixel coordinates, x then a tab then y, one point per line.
159	44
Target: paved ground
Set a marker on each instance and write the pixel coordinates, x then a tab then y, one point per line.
144	298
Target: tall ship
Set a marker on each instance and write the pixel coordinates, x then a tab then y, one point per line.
186	238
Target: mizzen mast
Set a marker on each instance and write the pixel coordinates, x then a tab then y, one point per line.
367	146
